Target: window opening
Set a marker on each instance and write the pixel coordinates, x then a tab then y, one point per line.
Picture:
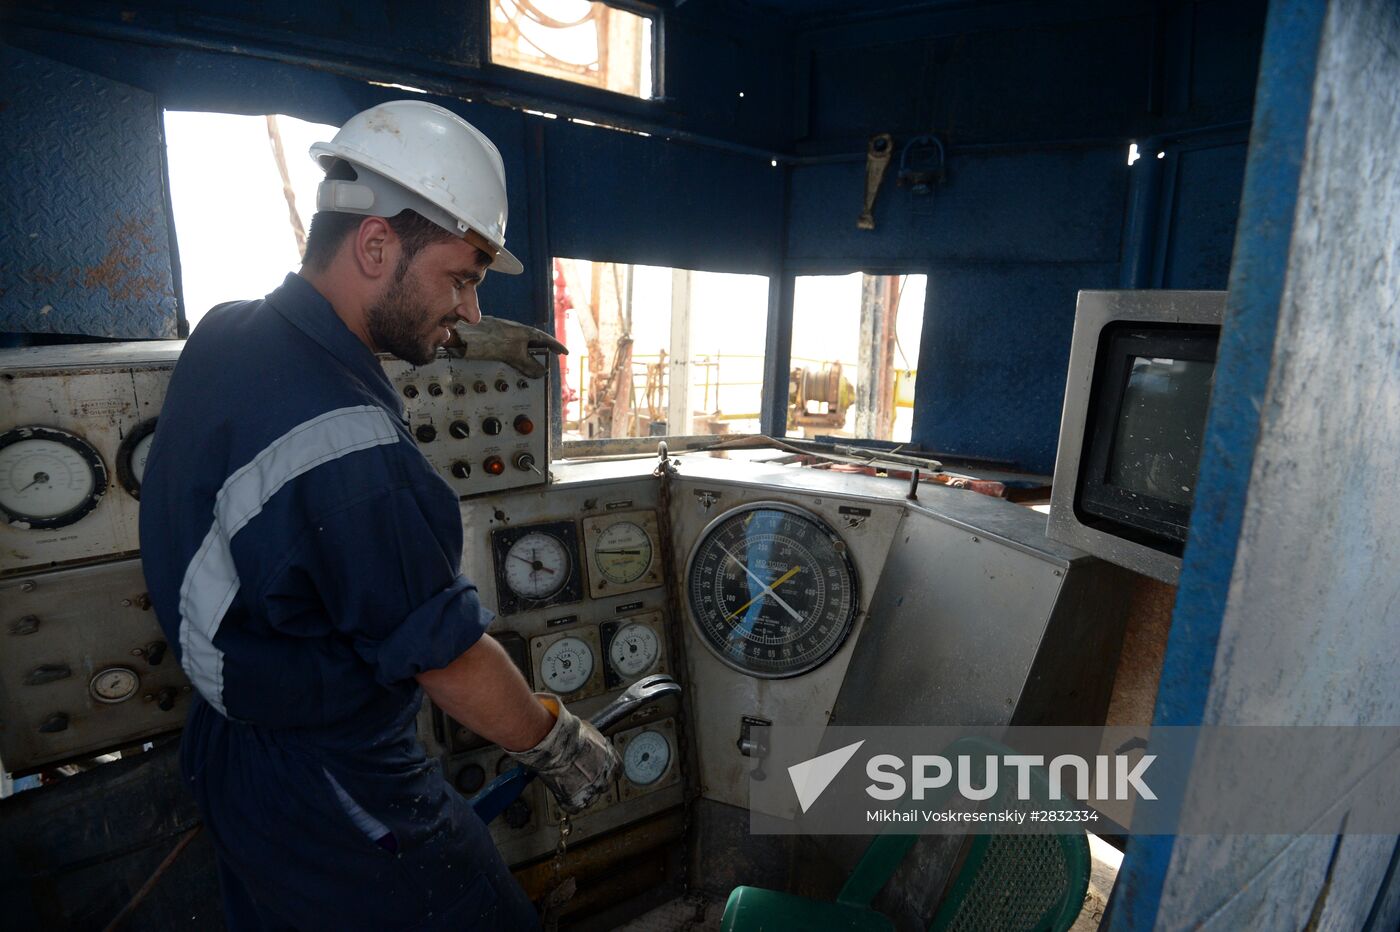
658	351
854	355
243	191
584	42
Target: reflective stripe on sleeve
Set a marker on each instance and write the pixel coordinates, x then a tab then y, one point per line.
211	579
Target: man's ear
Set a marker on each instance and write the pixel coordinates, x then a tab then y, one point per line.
375	248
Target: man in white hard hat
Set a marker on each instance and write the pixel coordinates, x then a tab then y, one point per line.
305	558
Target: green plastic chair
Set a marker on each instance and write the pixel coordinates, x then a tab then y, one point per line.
1008	883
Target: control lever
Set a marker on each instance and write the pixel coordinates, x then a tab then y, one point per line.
505	789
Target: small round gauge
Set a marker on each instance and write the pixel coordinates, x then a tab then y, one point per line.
646	758
114	684
634	649
566	665
537	566
48	478
132	454
772	589
623	552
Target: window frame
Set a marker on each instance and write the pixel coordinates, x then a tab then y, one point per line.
654	14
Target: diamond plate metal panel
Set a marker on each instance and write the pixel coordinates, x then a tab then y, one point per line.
84	240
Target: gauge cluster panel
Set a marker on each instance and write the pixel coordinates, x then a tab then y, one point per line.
579	571
84	665
482	424
75	428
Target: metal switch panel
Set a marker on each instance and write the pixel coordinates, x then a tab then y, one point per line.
483	425
83	666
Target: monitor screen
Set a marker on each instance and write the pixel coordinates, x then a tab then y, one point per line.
1147	417
1157	442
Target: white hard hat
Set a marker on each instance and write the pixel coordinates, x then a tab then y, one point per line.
413	154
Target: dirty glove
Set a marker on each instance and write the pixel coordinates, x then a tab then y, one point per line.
573	760
505	341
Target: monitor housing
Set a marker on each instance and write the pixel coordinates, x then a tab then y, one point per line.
1141	368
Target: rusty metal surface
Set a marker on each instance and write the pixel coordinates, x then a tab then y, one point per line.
85	246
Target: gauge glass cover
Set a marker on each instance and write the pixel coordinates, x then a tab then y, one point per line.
114	684
48	478
537	566
772	589
646	758
634	649
623	552
566	665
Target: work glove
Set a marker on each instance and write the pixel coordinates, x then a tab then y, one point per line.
574	760
504	341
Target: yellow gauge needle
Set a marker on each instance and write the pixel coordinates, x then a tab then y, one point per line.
769	588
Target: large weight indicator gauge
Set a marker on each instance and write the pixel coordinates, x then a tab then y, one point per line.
772	589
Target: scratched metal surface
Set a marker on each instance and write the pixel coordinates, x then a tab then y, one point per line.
85	245
1308	632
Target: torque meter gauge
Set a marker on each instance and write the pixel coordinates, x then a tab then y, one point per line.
772	589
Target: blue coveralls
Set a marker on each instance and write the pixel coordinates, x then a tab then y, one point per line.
304	561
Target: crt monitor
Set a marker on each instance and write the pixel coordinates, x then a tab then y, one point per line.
1142	364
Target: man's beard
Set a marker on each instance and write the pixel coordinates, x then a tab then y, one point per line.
396	322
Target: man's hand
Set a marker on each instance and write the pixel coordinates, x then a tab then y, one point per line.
506	341
574	760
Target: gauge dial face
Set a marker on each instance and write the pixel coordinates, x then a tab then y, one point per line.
566	665
634	649
132	456
537	566
48	478
646	758
772	589
623	552
114	684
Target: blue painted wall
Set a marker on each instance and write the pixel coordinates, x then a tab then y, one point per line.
1038	104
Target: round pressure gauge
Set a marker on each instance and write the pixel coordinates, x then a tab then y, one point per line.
566	665
537	566
114	684
49	478
132	454
634	649
623	552
646	758
772	589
